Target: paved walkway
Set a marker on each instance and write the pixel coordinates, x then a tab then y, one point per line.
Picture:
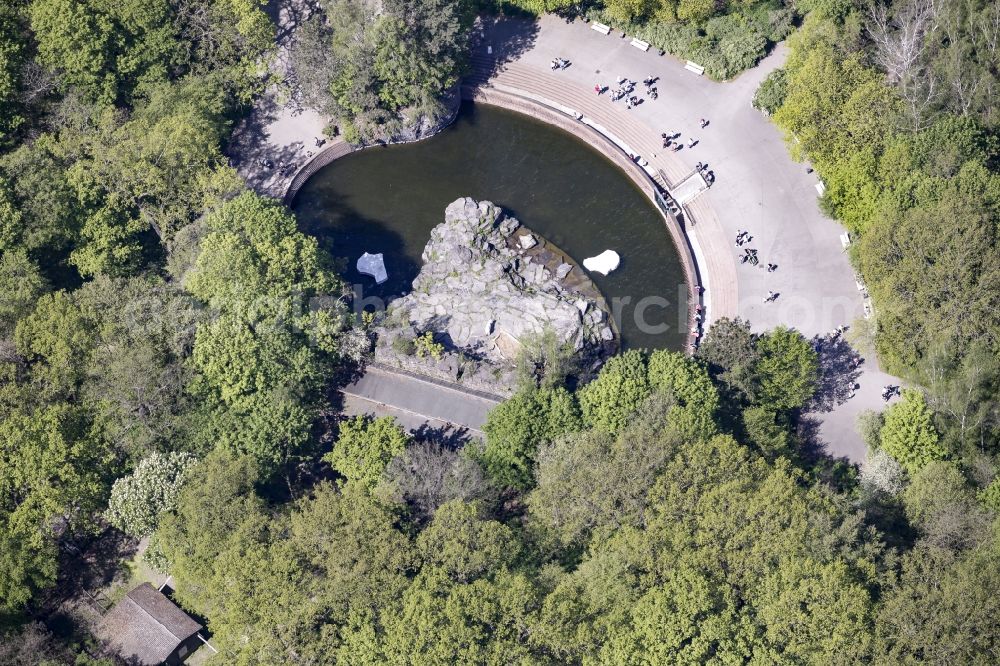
279	129
416	402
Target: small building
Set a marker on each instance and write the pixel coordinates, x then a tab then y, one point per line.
147	628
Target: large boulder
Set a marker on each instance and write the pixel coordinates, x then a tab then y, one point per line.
478	293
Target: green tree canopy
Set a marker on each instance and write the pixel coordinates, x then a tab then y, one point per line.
12	52
53	478
787	371
909	435
253	249
58	339
519	425
620	388
108	49
216	500
364	448
21	284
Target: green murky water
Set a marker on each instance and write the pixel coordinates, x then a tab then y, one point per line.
388	199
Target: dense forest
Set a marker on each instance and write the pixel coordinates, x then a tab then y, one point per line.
169	342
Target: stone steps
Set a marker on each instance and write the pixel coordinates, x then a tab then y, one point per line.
600	110
558	92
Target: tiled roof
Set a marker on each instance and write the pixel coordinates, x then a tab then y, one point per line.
146	626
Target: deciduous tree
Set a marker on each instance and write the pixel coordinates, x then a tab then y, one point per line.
909	435
138	499
518	426
364	448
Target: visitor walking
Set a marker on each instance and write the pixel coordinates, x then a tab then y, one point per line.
770	297
703	123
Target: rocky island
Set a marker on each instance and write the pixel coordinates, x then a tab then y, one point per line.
487	285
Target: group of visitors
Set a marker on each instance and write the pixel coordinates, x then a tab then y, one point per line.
706	173
670	140
750	255
624	91
650	82
559	63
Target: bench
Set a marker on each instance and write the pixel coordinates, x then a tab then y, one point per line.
639	44
601	28
694	67
845	239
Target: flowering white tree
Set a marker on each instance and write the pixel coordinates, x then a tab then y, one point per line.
882	473
137	500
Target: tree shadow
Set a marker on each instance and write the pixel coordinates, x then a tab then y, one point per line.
96	562
266	167
839	369
814	455
88	565
449	436
288	16
498	41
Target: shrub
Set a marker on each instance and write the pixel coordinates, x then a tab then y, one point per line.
771	93
425	346
365	446
405	346
909	435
